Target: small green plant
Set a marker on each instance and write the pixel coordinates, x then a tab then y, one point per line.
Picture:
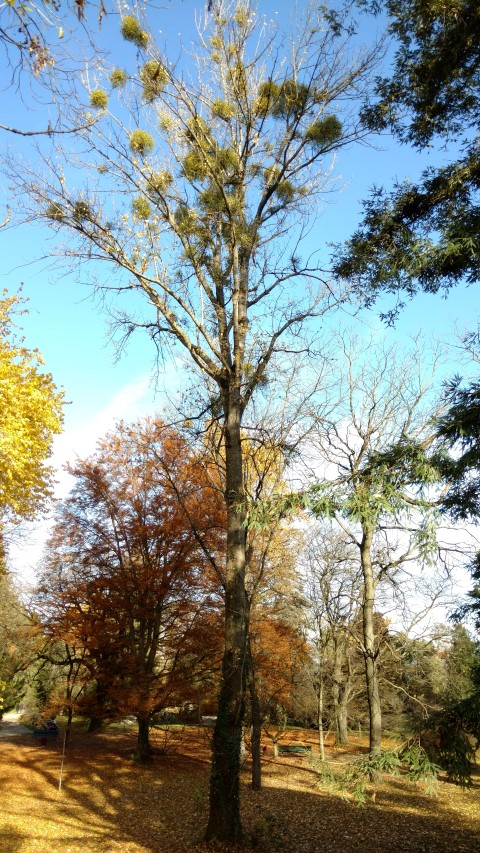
141	142
325	774
118	78
417	762
419	767
199	799
98	99
353	780
132	31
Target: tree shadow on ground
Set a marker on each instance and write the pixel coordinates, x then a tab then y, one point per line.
109	804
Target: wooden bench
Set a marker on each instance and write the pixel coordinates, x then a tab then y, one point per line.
293	749
45	734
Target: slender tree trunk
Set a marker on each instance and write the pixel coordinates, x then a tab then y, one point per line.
342	724
256	727
224	818
321	738
370	650
143	751
341	693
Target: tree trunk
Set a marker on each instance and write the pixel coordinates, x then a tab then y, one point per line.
256	729
341	691
143	752
96	720
342	724
224	817
95	725
321	738
370	650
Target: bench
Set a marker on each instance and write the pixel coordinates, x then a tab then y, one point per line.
293	749
45	734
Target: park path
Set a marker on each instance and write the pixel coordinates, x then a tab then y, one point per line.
10	727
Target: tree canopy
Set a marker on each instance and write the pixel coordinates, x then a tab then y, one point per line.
425	235
30	415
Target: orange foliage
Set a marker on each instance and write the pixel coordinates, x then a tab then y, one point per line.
130	579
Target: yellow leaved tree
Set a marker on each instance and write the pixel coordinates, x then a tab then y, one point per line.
30	415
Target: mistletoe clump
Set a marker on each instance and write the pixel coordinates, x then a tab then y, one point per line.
324	132
98	99
132	31
268	94
159	182
222	109
82	210
291	100
141	142
55	211
154	77
194	166
141	208
118	78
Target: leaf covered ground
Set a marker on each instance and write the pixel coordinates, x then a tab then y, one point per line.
109	804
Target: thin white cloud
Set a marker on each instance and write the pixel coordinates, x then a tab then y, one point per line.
134	400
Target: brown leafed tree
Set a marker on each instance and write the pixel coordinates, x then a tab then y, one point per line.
195	188
125	579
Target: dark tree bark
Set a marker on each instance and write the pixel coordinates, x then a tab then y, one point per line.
224	819
143	752
95	725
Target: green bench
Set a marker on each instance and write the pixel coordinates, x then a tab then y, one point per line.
293	749
46	733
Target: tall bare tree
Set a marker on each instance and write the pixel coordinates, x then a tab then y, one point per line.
332	592
378	492
195	187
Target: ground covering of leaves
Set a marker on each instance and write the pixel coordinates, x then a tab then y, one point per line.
109	804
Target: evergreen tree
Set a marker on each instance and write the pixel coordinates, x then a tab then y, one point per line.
425	235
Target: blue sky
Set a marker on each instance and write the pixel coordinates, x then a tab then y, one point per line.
71	331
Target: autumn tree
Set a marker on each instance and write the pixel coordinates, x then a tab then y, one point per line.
17	646
202	176
124	575
30	416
